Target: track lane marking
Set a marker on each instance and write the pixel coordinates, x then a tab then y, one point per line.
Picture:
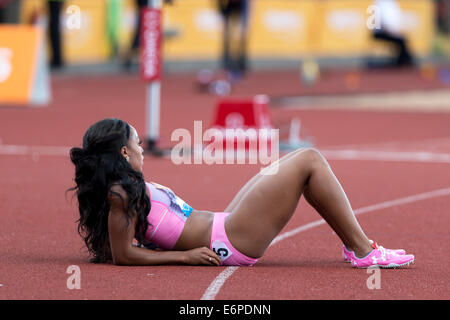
220	280
379	155
215	286
343	154
23	150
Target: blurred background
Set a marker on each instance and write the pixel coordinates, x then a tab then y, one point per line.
278	33
312	48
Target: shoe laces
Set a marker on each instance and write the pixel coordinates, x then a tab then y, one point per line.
385	254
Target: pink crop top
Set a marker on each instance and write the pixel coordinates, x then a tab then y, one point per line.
167	216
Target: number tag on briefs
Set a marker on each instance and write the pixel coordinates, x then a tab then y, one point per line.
221	250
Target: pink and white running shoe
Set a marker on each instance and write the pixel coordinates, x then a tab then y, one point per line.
347	255
380	257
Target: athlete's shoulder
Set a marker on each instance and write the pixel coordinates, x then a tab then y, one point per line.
117	194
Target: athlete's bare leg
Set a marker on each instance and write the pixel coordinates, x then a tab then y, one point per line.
249	184
268	203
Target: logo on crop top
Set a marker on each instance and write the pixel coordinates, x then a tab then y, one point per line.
183	206
221	250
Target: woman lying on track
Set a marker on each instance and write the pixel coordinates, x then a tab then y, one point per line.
118	206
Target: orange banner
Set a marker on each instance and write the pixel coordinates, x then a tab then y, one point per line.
18	62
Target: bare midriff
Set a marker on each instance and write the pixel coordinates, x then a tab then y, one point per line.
196	232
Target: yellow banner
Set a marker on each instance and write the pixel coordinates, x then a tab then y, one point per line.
290	28
282	29
86	42
345	31
277	29
197	29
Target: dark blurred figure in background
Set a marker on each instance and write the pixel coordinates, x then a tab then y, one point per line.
443	15
234	51
10	11
133	51
391	30
54	29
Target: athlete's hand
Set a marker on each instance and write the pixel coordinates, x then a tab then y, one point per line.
201	256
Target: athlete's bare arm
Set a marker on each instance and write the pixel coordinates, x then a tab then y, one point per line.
121	235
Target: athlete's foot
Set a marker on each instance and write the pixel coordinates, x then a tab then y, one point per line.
348	254
361	249
380	257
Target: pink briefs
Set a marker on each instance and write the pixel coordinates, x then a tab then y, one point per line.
222	246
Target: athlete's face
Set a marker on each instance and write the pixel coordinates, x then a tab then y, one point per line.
134	151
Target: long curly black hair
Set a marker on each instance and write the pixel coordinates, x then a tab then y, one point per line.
98	165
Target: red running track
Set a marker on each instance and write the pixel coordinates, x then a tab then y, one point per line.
38	239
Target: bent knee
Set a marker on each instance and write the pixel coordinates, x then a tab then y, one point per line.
312	156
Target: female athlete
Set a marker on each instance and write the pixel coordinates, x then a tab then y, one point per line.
128	221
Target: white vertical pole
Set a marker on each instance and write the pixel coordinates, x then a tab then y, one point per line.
152	110
153	99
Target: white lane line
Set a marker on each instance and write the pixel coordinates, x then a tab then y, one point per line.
378	206
374	155
343	154
15	150
215	286
218	282
394	145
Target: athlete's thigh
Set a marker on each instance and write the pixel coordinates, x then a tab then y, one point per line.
267	206
237	198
